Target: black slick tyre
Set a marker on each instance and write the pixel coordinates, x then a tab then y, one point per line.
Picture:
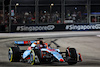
73	56
14	54
32	58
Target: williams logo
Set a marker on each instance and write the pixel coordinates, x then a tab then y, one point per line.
35	28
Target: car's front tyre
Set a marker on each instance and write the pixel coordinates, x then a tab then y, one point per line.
32	58
14	54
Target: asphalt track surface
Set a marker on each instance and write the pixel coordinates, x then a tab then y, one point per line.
86	43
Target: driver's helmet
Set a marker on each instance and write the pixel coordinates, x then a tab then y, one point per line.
40	42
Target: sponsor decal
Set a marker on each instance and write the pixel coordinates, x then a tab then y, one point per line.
51	49
83	27
35	28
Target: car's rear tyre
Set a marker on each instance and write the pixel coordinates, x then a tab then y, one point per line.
73	56
14	54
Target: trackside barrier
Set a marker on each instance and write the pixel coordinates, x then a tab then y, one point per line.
55	27
2	28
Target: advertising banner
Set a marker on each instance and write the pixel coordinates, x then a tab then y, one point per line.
55	27
32	28
83	27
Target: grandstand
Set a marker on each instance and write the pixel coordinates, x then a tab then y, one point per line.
44	12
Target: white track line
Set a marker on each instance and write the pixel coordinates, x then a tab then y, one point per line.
98	35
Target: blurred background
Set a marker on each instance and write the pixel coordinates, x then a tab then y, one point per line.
47	12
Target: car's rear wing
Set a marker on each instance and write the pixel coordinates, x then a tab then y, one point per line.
23	43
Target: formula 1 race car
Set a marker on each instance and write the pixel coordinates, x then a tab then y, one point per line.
39	52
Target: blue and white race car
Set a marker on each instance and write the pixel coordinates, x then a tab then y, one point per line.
39	52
